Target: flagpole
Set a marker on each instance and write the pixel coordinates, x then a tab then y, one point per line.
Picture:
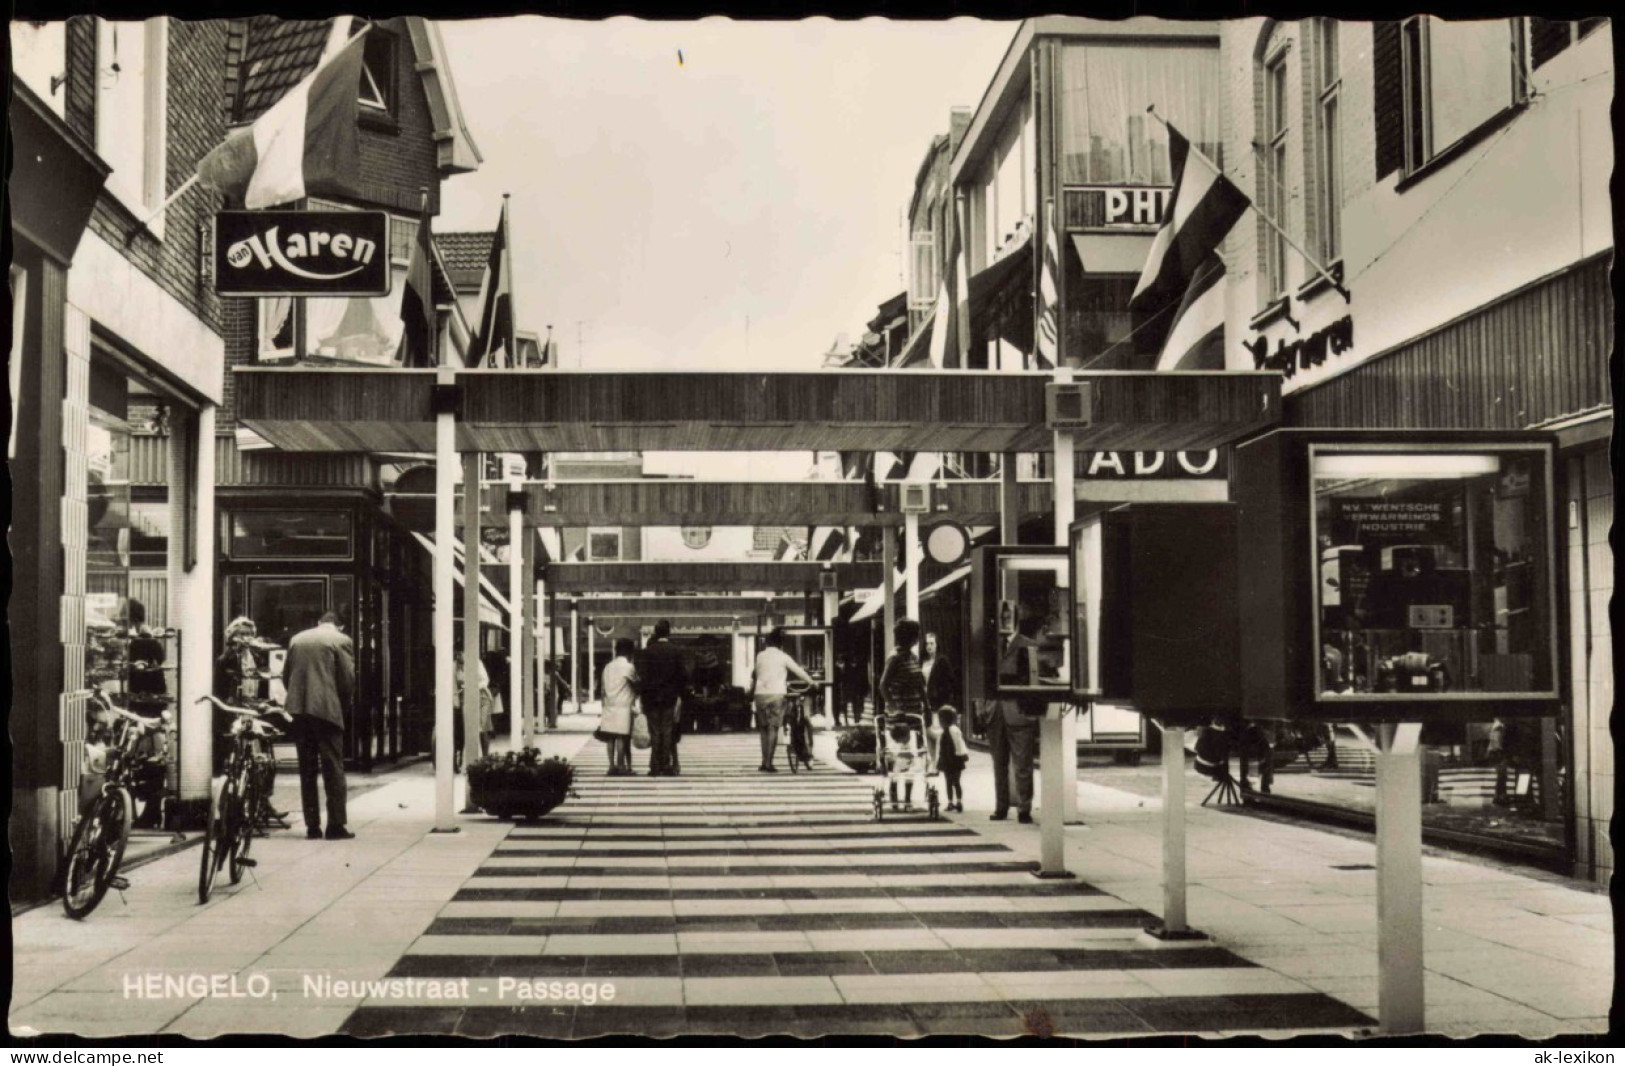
143	223
1151	109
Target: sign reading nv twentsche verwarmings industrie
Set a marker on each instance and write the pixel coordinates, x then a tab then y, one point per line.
301	253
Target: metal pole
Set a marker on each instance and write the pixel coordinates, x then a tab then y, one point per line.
516	618
196	612
445	465
471	612
527	653
575	656
537	645
592	658
888	572
1399	880
911	565
832	609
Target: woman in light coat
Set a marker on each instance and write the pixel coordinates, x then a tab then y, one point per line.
619	695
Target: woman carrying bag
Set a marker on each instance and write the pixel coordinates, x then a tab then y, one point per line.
615	725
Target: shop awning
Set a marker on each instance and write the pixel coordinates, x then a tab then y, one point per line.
1112	253
493	605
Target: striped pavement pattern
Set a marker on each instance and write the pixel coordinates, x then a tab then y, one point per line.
730	901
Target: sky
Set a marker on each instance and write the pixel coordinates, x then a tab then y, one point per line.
711	194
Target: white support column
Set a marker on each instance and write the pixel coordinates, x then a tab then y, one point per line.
1173	830
1399	880
540	633
194	613
592	658
529	667
1058	745
445	464
516	620
911	565
575	655
471	612
832	608
888	571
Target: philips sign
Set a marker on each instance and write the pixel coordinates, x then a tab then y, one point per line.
301	253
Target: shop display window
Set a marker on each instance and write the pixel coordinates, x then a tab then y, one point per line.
1433	573
289	535
1032	603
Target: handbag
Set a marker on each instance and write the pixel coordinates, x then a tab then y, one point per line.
640	731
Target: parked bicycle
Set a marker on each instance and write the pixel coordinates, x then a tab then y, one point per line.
124	749
239	801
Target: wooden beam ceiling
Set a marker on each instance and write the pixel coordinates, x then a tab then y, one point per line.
732	576
365	410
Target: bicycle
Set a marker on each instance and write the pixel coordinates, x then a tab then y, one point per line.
97	849
239	797
798	742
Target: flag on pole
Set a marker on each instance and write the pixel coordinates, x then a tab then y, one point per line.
417	302
950	326
1048	333
1184	261
304	144
494	332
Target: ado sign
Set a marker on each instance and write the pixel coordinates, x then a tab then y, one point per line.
301	253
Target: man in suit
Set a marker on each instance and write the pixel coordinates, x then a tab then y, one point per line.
662	680
320	678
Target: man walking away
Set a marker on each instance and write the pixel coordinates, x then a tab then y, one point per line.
769	684
1012	731
663	678
320	677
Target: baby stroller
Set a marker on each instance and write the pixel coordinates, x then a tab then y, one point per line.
902	754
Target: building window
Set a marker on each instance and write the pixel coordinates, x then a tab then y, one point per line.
377	90
604	545
922	260
1548	37
1106	136
1272	184
130	110
39	58
1456	76
350	329
289	535
1327	164
277	330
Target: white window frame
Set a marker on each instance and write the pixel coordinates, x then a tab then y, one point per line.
142	199
1416	115
1327	77
922	285
19	307
1276	135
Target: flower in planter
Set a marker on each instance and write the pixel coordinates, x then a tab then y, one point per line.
520	782
857	741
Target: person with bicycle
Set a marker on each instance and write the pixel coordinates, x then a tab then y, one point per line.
769	685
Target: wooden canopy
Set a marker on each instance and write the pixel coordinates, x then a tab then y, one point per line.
393	410
648	502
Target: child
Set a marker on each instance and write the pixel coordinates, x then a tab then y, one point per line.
952	755
903	753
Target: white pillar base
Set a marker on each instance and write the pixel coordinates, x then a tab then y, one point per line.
1053	778
1173	925
1399	880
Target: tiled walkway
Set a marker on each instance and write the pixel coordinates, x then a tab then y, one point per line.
728	900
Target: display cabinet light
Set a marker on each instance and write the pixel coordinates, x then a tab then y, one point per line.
1411	466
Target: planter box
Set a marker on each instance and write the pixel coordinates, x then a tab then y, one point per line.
863	762
516	803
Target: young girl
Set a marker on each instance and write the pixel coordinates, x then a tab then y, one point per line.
905	757
952	755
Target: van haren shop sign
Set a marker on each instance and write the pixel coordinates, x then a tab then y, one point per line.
301	253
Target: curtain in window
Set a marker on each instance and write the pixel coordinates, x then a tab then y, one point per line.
355	329
1470	70
276	327
1106	135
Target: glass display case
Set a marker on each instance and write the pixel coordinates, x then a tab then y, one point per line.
1021	617
1432	572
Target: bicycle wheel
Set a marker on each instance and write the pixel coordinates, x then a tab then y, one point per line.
215	841
240	821
95	853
